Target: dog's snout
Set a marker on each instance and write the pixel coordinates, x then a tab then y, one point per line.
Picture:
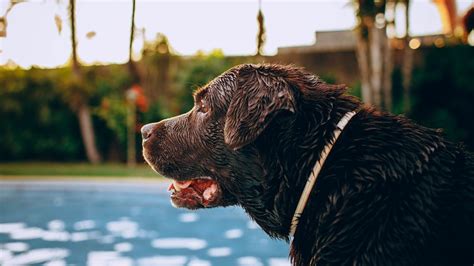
147	130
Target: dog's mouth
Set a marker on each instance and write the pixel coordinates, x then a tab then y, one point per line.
201	192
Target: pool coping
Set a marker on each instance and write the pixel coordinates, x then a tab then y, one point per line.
88	183
82	178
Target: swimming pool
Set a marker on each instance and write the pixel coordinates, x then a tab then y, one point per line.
123	223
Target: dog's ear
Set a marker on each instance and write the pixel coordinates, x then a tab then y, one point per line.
259	96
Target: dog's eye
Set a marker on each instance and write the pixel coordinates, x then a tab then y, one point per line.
203	108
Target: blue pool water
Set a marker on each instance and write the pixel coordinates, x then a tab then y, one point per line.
128	223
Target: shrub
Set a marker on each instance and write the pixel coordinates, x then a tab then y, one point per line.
199	71
36	124
443	92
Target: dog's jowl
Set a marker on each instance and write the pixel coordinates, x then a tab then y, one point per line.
386	191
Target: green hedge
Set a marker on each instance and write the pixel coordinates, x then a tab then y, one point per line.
36	122
443	92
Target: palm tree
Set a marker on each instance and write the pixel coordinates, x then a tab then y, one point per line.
371	39
79	102
261	29
375	52
132	68
407	65
130	95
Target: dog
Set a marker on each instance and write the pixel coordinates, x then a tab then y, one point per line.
388	191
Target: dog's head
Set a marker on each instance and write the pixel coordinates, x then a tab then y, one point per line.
212	152
205	150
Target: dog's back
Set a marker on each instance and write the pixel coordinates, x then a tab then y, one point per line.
458	238
396	192
452	241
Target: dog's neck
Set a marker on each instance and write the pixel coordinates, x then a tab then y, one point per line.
316	170
289	153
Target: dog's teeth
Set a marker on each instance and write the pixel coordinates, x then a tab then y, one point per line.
207	194
176	186
179	185
209	191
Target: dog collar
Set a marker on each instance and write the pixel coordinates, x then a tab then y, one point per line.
315	172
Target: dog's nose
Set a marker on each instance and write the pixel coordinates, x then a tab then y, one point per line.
146	130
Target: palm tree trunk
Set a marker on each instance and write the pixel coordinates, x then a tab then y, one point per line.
377	42
261	30
374	53
82	110
362	53
87	133
131	108
387	75
407	65
131	65
407	70
132	33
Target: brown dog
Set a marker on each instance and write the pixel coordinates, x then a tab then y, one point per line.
389	193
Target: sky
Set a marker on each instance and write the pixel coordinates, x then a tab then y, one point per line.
190	25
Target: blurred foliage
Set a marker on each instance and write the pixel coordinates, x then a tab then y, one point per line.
109	102
37	122
443	92
202	69
160	45
397	92
356	90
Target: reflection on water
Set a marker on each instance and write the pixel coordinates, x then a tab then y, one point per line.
97	223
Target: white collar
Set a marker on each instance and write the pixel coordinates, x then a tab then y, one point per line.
315	172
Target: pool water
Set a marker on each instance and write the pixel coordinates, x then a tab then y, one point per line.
127	223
